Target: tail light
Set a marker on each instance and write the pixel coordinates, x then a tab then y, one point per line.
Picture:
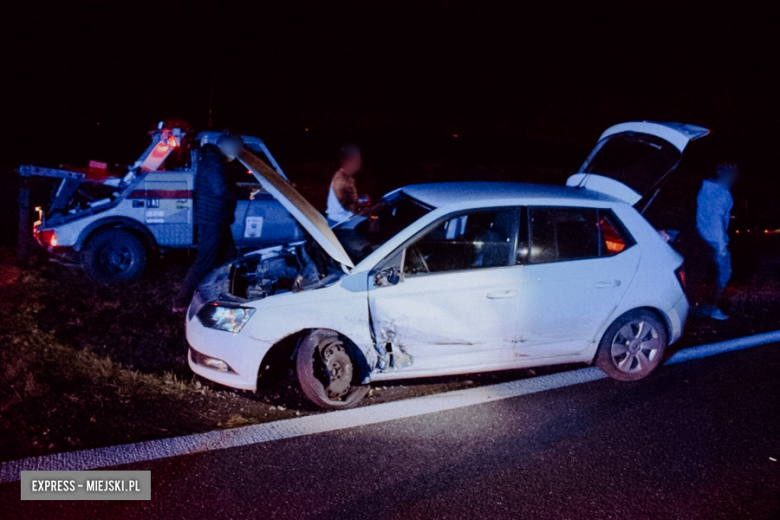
49	237
680	274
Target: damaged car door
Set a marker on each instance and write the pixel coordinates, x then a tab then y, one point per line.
579	262
449	298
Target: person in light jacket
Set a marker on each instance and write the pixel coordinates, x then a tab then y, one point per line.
713	213
343	199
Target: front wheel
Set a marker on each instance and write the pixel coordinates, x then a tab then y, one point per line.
113	255
328	372
633	346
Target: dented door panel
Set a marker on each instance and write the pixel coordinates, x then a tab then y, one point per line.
436	322
566	303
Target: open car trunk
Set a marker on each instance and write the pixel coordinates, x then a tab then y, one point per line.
631	161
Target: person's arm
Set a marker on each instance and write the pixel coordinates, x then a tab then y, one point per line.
346	191
728	206
721	208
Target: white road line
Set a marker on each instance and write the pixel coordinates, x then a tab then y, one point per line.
327	422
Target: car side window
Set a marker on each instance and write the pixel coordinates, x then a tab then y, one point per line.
559	234
564	233
473	240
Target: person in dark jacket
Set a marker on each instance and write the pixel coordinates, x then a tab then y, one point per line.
214	211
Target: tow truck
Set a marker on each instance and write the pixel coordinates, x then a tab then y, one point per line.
110	225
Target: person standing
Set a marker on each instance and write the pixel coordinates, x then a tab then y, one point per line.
343	200
214	211
713	213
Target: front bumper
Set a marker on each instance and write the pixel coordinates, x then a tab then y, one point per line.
242	353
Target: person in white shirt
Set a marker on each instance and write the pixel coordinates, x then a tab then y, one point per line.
343	200
713	213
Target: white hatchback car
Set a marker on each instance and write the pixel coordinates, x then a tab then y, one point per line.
454	278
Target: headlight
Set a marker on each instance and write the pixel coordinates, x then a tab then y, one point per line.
221	316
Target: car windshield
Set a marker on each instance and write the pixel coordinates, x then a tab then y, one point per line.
362	234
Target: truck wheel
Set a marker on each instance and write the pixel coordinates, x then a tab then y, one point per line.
114	255
327	371
633	346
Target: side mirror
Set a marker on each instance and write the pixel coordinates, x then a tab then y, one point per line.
387	276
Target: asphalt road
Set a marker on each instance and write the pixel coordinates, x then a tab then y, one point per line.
693	441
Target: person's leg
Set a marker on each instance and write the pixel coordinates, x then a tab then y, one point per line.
227	247
698	260
208	248
722	267
723	264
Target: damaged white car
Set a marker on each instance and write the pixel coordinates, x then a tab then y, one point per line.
455	278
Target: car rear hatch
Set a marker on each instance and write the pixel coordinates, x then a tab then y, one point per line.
632	160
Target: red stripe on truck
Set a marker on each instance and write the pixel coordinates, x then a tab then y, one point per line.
160	194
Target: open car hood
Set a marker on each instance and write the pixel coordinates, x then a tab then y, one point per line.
631	160
306	214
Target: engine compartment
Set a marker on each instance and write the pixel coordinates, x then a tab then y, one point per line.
293	268
90	194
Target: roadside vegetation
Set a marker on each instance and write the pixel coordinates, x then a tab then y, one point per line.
86	365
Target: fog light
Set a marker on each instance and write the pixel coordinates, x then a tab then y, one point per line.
216	364
210	362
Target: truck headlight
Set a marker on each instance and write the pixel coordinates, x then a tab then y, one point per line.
227	317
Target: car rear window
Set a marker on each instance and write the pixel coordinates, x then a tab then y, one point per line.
637	160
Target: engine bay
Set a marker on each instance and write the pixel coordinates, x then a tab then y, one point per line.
294	268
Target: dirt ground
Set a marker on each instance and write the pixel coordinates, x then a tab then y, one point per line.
87	366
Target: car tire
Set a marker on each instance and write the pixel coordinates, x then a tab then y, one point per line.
113	255
633	346
328	371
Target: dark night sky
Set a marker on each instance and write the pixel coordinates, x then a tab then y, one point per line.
86	79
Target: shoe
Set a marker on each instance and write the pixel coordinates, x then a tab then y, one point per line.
717	314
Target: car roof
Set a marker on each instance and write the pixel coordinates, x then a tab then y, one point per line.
441	194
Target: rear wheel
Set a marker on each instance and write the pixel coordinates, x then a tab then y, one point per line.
328	372
113	255
633	346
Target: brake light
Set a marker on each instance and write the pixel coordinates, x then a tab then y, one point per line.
680	274
49	237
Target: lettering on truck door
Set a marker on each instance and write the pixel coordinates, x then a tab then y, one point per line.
169	211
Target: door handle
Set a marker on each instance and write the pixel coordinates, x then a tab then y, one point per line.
607	285
501	294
